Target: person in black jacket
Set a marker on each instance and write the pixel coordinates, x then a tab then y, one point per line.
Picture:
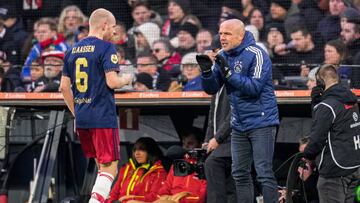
217	140
334	138
13	33
11	79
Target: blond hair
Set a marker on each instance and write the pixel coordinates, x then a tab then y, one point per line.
61	26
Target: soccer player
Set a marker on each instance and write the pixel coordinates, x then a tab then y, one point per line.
89	77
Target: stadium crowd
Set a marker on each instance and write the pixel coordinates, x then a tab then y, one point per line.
158	40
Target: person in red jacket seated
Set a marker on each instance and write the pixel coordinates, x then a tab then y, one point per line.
141	178
182	189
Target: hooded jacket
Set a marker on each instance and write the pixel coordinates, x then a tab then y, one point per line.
190	183
334	138
329	28
143	181
193	85
151	32
250	87
17	35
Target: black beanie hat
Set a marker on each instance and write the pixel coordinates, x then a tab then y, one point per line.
233	4
215	44
7	11
146	79
184	4
275	27
286	4
352	15
190	28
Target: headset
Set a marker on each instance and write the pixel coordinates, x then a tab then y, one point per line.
319	81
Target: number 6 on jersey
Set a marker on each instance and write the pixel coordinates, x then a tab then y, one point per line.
81	76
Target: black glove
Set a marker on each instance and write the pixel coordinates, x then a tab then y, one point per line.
205	63
224	66
316	95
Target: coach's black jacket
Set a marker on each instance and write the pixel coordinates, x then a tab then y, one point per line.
219	118
334	134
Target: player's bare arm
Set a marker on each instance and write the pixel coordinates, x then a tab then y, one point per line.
115	82
65	88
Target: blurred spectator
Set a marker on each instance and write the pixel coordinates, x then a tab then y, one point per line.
310	14
304	69
12	33
335	53
191	70
256	18
191	138
187	34
125	66
255	32
70	19
148	64
207	11
188	80
7	44
48	39
82	32
38	78
127	42
141	14
122	60
227	16
311	78
53	64
143	82
183	189
275	35
168	59
158	6
248	6
177	10
302	49
190	18
145	35
30	41
186	20
279	13
230	9
350	13
203	40
329	27
37	70
350	35
141	178
11	80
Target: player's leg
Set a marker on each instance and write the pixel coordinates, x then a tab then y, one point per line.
86	142
106	143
